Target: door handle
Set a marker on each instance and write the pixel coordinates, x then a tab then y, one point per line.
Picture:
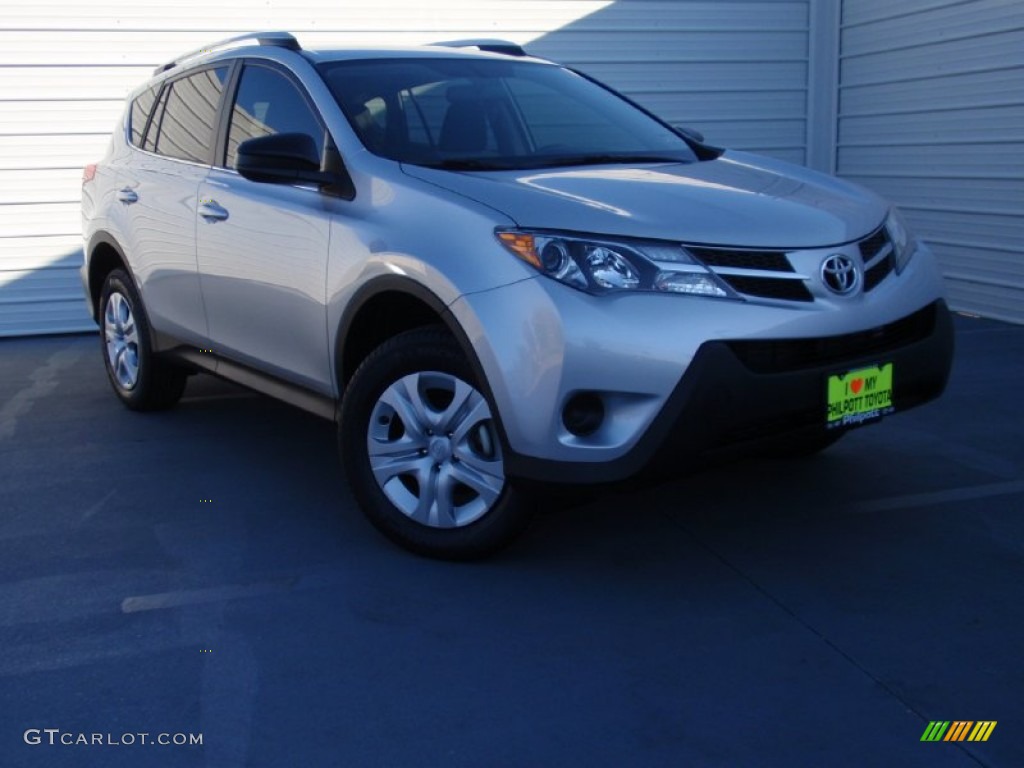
127	195
211	210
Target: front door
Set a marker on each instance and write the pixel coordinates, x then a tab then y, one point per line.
262	248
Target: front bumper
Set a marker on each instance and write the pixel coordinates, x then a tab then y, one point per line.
737	393
664	365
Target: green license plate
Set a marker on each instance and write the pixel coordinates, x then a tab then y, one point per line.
859	396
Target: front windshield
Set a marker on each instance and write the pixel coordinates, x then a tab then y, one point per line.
481	114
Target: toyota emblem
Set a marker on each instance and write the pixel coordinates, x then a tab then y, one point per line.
840	274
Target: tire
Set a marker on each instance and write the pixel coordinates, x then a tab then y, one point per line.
422	453
140	378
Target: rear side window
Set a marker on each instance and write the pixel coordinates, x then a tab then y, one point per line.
269	103
187	113
141	108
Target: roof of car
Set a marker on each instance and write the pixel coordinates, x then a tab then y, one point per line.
404	52
262	43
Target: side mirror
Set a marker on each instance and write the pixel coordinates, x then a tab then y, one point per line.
281	158
690	133
696	141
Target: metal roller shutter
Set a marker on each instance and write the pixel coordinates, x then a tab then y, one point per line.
931	114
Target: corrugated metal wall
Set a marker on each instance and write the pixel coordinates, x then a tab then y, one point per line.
736	70
931	114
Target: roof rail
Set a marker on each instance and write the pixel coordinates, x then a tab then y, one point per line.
277	39
489	45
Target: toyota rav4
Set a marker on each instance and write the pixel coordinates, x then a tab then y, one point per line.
492	271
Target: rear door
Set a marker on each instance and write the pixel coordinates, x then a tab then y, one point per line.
159	189
263	248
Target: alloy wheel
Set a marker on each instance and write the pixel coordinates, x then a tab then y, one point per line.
122	340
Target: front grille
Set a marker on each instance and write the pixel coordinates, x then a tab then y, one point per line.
769	287
723	260
877	273
770	261
771	284
870	247
781	356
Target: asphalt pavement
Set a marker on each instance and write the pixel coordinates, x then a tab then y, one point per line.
204	573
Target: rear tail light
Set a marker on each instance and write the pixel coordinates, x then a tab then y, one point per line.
88	173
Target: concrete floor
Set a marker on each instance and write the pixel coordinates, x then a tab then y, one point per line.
807	613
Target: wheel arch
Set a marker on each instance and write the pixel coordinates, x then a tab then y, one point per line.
389	305
380	309
104	255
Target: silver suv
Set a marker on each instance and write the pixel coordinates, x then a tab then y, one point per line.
491	271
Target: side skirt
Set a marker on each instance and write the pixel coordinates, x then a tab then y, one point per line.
293	394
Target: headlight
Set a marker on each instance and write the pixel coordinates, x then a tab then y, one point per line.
903	242
600	265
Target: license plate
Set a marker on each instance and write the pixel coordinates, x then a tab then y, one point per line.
859	396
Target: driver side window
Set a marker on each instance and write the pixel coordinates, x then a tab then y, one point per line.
266	103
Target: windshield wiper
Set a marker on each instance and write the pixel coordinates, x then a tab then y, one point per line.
469	164
603	159
483	164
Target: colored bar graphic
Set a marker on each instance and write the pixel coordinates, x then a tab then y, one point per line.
959	730
982	730
935	731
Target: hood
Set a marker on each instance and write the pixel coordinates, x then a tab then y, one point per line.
737	200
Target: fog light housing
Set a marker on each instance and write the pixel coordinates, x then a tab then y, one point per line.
583	414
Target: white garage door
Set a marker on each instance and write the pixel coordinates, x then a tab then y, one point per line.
931	114
736	70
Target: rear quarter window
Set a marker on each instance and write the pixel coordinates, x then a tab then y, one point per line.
142	107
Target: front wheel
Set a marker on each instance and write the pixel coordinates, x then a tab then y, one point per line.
422	452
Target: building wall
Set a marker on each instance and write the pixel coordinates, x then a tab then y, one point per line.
922	100
736	70
931	115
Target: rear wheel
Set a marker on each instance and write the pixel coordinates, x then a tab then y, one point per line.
142	380
421	449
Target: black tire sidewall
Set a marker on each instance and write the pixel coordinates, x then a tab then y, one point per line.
408	353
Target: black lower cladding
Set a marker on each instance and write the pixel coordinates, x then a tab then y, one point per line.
738	393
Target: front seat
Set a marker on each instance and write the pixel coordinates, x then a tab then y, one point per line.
465	128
